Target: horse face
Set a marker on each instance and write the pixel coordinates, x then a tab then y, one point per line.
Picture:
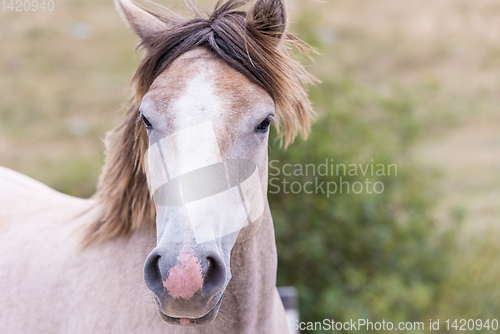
207	125
207	173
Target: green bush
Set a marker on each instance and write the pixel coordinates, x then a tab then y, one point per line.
373	256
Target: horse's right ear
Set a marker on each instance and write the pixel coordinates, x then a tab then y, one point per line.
142	22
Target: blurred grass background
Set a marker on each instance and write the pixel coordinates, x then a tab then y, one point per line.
407	82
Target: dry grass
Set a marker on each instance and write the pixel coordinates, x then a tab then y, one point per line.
446	49
64	76
451	42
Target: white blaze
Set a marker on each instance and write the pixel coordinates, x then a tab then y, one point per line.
181	156
193	147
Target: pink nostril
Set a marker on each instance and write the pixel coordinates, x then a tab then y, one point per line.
185	278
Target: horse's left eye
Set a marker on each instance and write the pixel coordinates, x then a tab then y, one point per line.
264	125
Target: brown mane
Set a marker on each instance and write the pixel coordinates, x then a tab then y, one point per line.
245	42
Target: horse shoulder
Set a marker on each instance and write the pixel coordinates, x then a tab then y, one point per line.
23	199
10	178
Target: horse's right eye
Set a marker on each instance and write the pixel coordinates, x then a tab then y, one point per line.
147	123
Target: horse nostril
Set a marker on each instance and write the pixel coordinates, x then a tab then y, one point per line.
152	274
214	278
184	274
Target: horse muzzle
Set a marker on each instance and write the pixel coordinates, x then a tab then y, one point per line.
188	287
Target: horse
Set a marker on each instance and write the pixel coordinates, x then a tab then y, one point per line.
178	237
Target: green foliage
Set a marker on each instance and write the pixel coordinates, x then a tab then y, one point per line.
372	256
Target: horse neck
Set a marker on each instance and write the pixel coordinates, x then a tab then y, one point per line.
249	297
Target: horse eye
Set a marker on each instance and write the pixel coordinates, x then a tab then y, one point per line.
264	125
146	122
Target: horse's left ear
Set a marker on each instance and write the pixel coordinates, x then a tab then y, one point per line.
269	17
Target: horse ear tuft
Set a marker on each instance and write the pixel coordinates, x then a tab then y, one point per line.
142	21
269	17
